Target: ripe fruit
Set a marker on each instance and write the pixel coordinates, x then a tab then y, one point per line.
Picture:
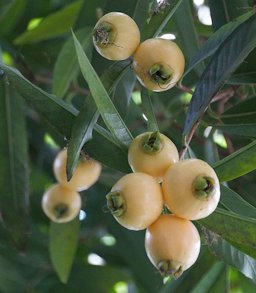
191	189
85	175
60	204
158	64
135	201
116	36
152	153
172	244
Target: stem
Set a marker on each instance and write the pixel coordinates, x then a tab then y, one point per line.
187	140
170	268
160	73
104	34
115	203
151	143
203	187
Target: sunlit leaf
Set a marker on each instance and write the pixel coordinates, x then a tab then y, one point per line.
102	100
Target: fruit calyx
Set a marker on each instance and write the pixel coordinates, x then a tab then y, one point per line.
115	203
170	268
60	210
203	187
160	73
104	34
151	143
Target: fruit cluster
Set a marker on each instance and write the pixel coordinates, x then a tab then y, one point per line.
62	201
187	189
158	63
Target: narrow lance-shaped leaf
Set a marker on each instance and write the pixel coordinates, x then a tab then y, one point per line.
235	203
88	115
237	164
63	245
14	164
56	24
214	42
230	255
60	115
66	67
238	230
102	100
225	60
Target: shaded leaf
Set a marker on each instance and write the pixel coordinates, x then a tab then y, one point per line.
243	113
158	17
66	67
215	41
184	22
60	115
243	78
231	255
52	26
14	165
225	60
248	130
55	111
210	278
102	100
10	17
235	203
237	164
63	245
240	231
148	110
81	133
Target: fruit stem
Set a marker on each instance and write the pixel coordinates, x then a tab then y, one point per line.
152	143
60	210
104	34
115	203
160	73
170	268
203	187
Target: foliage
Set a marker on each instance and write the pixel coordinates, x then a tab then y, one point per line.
56	91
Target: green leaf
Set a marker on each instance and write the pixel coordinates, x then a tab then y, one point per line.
54	25
237	164
243	78
209	279
60	115
87	118
159	16
14	165
225	60
242	113
11	16
102	100
230	255
63	245
235	203
215	41
148	110
248	130
66	67
238	230
55	111
184	22
81	133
